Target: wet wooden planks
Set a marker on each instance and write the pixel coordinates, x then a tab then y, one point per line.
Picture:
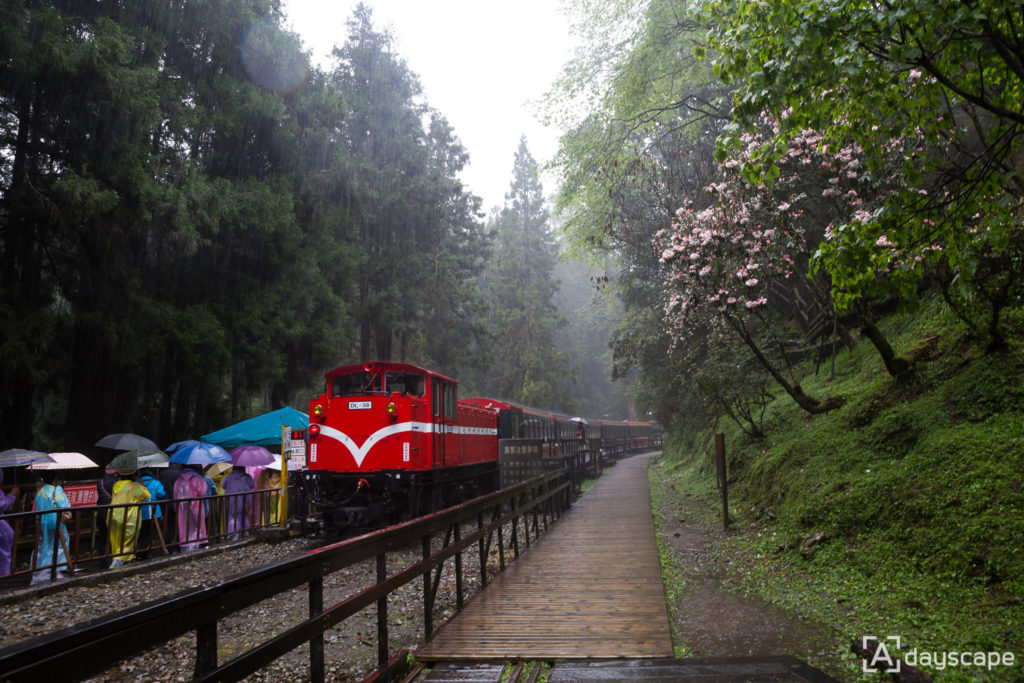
589	588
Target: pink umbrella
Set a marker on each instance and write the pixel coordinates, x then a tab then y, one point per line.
251	456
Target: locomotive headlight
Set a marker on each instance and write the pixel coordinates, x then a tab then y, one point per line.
314	430
318	410
390	408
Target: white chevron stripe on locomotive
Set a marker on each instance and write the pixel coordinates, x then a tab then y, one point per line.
359	453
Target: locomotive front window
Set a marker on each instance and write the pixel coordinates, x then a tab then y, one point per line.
405	383
355	384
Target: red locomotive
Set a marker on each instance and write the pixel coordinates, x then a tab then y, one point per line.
392	441
396	443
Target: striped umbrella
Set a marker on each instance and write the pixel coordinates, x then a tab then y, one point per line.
16	457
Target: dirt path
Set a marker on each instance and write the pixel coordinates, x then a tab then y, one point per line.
712	621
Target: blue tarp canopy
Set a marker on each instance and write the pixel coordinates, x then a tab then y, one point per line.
262	430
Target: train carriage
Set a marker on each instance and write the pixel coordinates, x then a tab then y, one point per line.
392	441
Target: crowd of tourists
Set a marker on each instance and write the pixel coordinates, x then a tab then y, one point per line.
178	508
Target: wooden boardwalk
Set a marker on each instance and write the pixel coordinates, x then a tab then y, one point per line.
588	588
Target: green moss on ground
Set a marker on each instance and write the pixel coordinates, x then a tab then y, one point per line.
915	487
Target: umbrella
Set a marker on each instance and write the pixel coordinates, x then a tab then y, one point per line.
251	456
581	420
16	457
65	461
178	445
200	454
157	459
126	442
217	468
134	459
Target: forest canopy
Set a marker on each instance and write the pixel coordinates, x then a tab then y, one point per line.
769	177
197	222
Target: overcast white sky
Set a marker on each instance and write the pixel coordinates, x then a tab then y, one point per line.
480	63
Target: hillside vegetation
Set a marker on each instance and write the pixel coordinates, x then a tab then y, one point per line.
900	513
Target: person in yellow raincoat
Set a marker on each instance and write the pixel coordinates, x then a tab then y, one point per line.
269	479
123	522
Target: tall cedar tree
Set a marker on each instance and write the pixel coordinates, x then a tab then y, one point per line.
529	366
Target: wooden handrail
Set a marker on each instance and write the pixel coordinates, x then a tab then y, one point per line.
95	646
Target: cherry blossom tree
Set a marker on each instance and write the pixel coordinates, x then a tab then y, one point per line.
722	257
822	216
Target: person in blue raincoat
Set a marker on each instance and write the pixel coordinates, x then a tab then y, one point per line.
152	515
50	497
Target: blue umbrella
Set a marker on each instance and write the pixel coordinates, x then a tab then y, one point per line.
175	447
200	454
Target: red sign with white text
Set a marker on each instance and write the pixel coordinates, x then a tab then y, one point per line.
80	495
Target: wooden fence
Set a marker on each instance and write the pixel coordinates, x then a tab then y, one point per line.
87	649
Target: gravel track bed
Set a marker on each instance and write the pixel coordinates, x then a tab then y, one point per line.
350	647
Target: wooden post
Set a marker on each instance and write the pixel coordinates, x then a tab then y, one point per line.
482	547
382	615
458	568
723	482
206	649
316	643
428	606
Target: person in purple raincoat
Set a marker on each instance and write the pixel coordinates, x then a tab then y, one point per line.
239	507
6	532
191	514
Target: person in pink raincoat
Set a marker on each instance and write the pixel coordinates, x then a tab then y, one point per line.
6	532
191	514
240	508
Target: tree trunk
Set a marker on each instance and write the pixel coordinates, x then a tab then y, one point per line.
896	365
808	403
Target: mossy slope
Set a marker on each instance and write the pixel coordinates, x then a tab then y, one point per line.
914	487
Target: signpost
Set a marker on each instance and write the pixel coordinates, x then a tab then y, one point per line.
286	433
723	482
294	443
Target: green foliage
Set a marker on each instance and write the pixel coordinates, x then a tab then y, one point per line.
916	488
930	80
591	318
641	115
195	220
528	364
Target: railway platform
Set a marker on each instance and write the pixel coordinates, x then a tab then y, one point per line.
588	600
589	589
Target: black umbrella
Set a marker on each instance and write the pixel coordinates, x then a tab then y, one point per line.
127	442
